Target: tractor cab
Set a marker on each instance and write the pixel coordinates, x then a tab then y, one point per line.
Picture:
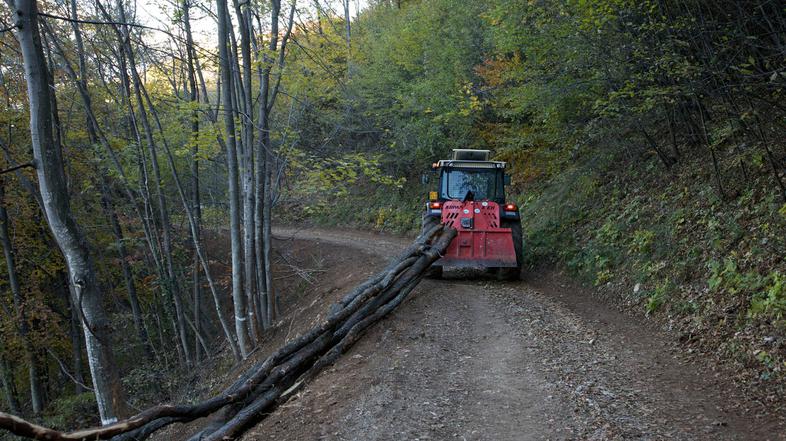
470	197
461	179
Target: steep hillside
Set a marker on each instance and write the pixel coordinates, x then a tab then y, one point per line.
645	141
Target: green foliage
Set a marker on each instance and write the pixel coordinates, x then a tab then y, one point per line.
641	242
326	178
727	277
658	298
771	301
71	412
381	208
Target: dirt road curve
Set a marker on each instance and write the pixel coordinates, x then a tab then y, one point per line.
470	359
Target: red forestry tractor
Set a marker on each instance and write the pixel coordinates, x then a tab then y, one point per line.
471	199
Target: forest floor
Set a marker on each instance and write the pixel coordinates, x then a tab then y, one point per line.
468	358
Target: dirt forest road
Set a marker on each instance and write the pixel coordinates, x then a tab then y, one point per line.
469	359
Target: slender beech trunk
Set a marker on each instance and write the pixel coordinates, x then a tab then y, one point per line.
267	236
260	171
249	250
36	393
106	199
67	233
7	379
192	224
163	210
267	99
128	275
196	208
241	328
347	31
73	333
265	158
263	197
213	116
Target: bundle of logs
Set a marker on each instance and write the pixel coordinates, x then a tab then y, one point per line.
286	370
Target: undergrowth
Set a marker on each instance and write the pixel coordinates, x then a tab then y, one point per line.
671	246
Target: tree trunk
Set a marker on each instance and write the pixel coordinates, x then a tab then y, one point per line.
7	379
36	393
347	30
128	274
249	250
260	174
267	236
192	224
265	171
196	208
241	328
73	333
163	210
213	117
67	233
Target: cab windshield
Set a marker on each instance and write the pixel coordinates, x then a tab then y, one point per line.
483	183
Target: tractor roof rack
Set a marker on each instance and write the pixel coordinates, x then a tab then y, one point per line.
468	158
471	155
468	164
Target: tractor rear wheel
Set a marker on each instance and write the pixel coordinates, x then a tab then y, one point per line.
513	273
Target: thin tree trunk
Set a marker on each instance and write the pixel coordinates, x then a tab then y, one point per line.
347	31
128	274
260	172
267	237
166	228
36	392
715	164
67	233
192	224
264	154
249	251
7	379
264	158
241	328
212	115
76	340
196	208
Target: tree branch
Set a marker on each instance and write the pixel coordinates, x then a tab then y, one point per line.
30	164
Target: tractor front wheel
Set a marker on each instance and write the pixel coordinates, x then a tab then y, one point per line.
513	273
428	222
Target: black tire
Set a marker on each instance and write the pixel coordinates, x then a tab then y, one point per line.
434	272
427	223
513	273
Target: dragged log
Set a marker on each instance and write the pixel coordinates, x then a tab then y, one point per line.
286	370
